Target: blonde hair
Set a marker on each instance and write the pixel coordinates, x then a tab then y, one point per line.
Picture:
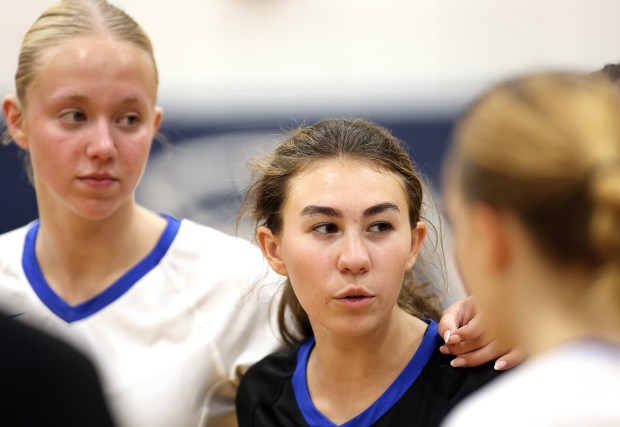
349	139
547	148
69	19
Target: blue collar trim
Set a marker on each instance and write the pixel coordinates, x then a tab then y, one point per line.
71	313
430	342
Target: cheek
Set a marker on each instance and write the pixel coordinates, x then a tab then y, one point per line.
391	264
404	261
134	153
307	266
51	159
50	147
308	287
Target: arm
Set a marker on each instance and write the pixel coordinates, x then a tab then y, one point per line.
466	338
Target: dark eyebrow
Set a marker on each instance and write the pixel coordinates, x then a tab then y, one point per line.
380	208
320	210
328	211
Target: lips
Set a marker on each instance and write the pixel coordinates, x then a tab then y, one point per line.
353	293
98	177
98	180
355	298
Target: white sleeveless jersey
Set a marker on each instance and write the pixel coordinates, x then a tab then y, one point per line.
172	337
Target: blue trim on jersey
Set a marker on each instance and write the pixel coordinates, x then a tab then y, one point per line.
430	342
71	313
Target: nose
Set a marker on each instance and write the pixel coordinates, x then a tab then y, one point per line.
354	257
101	142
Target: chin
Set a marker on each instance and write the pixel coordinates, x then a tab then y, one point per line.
97	210
356	328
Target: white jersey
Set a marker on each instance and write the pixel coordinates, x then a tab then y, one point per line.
173	335
575	385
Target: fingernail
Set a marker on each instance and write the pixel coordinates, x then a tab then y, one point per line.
444	349
446	337
458	362
499	365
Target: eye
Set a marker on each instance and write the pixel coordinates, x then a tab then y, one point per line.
381	227
326	228
73	116
129	119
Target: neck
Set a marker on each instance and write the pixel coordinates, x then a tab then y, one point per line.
347	374
80	258
563	309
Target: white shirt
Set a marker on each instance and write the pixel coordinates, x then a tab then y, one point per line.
574	385
171	337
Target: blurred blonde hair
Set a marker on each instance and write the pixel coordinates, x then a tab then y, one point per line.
547	148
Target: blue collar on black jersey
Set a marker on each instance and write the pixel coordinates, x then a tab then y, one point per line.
71	313
430	342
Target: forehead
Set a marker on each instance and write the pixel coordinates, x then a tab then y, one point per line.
345	182
96	57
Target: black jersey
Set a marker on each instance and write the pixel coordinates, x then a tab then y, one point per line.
274	392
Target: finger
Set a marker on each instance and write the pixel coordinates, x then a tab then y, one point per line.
455	316
478	357
449	322
509	360
474	329
468	346
467	310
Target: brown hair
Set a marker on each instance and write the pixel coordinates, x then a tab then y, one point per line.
547	148
67	20
350	139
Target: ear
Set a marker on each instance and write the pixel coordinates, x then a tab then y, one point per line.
418	234
492	231
159	116
14	119
270	246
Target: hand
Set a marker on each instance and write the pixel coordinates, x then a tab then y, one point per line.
465	337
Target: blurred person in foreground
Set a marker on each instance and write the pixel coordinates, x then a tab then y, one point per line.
533	194
44	381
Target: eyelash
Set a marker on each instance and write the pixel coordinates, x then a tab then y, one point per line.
75	116
385	227
134	119
317	227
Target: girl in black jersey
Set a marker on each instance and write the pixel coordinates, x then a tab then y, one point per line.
337	207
